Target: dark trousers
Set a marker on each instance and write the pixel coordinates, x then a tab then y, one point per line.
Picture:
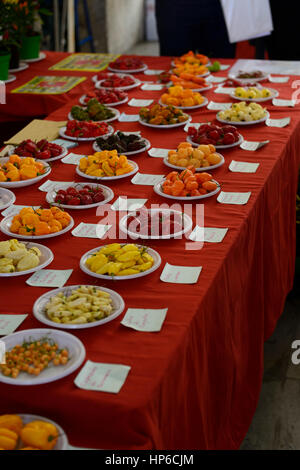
196	25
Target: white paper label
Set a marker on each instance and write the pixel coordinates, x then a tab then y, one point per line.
223	90
14	209
279	102
155	152
208	234
213	79
128	117
278	79
224	66
125	204
84	230
196	125
9	323
247	145
152	87
49	278
141	319
146	179
153	72
243	167
52	185
180	274
233	198
102	377
139	103
65	143
278	122
72	158
218	106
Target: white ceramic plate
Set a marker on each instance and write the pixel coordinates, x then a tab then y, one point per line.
83	139
158	190
128	87
116	113
274	94
187	225
234	76
205	168
204	103
134	152
41	56
109	195
23	183
45	259
153	253
235	144
52	159
244	123
40	303
117	103
11	78
22	66
7	198
110	178
141	69
165	126
64	340
6	223
62	440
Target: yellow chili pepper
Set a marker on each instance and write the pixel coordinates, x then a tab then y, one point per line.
8	439
12	422
39	434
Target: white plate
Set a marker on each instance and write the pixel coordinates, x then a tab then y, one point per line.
205	168
234	76
165	126
11	78
153	253
23	183
244	123
274	94
83	139
128	87
45	259
134	152
7	198
40	303
52	159
41	56
113	110
110	178
6	223
204	103
158	190
64	340
187	225
117	103
235	144
22	66
109	195
62	440
141	69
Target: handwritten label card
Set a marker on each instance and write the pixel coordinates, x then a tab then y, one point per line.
49	278
278	122
247	145
128	117
155	152
146	179
102	377
279	102
72	158
224	90
224	66
152	87
51	185
126	204
233	198
9	323
153	72
218	106
180	274
84	230
139	103
14	209
67	144
213	79
208	234
243	167
141	319
278	79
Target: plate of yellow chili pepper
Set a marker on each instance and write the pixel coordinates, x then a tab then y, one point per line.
17	172
106	165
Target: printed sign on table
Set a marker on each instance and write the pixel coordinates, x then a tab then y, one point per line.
49	85
85	62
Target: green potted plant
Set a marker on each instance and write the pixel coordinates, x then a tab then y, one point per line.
9	37
29	13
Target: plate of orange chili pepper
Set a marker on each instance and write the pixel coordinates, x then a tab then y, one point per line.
17	172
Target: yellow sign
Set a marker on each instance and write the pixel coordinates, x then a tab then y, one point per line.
51	85
85	62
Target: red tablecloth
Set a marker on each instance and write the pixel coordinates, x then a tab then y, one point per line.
196	383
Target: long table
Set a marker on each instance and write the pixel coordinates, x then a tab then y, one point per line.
196	383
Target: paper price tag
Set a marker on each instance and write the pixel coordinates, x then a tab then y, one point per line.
153	72
14	209
233	198
218	106
128	117
84	230
224	67
208	234
102	377
180	274
51	185
243	167
72	158
247	145
279	102
49	278
139	103
125	204
141	319
223	90
152	87
278	122
146	179
278	79
67	144
155	152
9	323
213	79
